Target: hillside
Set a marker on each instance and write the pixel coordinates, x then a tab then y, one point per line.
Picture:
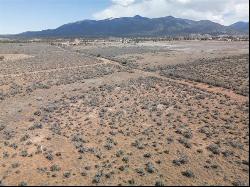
139	26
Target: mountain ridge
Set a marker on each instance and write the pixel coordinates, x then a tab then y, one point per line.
240	26
139	26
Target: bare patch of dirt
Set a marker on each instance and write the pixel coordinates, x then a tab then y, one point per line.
15	57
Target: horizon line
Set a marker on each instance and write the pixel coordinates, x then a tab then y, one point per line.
6	34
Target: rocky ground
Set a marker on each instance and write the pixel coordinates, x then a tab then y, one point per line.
77	116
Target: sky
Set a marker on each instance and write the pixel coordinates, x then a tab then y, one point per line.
17	16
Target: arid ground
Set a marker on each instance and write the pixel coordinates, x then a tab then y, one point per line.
108	113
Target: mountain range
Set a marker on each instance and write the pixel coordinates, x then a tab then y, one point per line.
140	26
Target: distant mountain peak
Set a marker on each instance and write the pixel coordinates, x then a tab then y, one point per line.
138	16
240	26
171	17
140	26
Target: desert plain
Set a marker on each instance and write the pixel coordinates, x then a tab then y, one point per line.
106	112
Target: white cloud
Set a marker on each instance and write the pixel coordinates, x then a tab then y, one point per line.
123	2
221	11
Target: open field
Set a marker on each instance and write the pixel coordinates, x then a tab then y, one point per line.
109	113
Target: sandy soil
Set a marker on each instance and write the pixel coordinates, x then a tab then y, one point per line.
71	117
15	57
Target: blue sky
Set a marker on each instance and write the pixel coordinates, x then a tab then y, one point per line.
23	15
30	15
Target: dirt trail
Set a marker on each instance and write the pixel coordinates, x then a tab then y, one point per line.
205	87
201	86
219	90
50	70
